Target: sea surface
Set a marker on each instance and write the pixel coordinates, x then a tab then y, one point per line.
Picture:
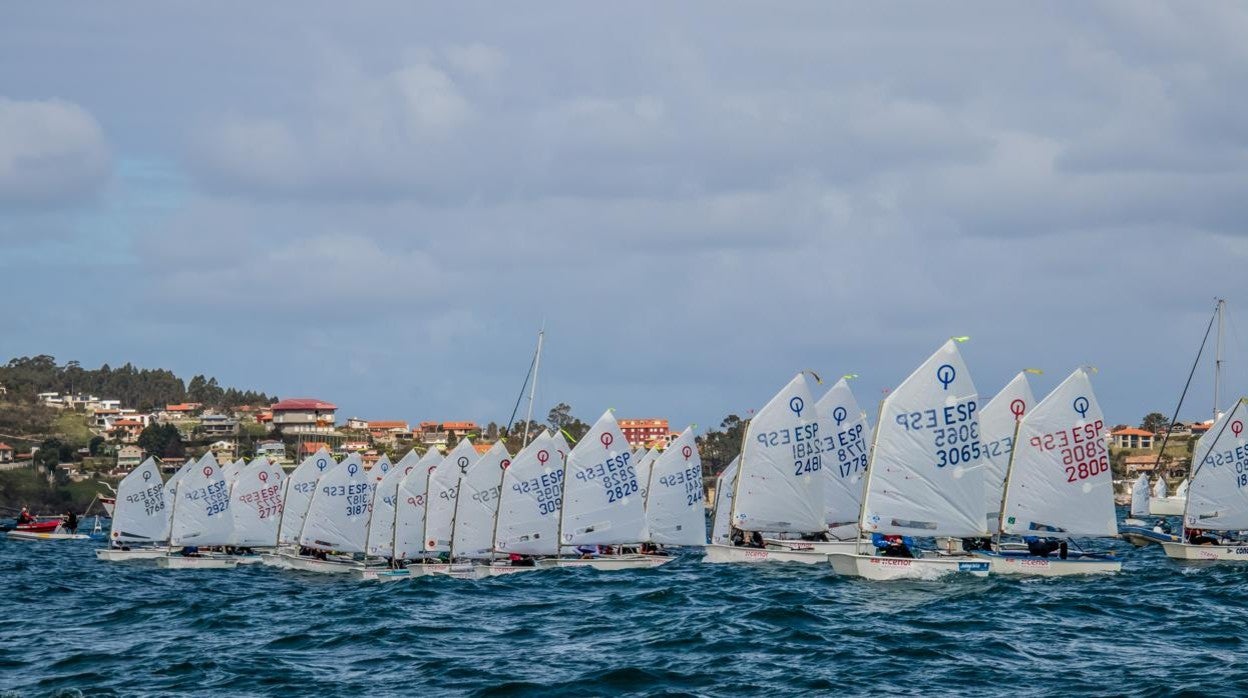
71	625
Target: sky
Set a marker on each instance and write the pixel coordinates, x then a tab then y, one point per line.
379	204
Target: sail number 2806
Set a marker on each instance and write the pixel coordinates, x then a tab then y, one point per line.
1082	448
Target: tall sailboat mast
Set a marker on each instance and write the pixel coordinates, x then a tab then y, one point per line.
1217	364
537	364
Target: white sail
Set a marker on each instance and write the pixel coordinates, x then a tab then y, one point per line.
476	504
409	514
1059	481
1217	498
141	513
1161	489
338	514
845	454
675	505
1181	490
171	490
643	465
528	505
231	470
298	494
779	479
1139	497
443	487
385	499
721	522
602	502
256	503
201	514
996	437
923	478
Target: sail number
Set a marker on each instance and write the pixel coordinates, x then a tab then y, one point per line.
265	500
805	443
215	498
1237	456
357	495
618	477
954	430
850	449
690	479
547	489
152	498
1083	450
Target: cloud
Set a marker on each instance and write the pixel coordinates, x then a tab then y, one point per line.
50	152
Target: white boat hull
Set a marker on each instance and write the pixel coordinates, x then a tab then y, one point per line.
31	535
879	568
1140	536
308	564
380	574
419	569
821	547
203	562
1049	567
607	562
1166	506
1207	553
117	555
715	553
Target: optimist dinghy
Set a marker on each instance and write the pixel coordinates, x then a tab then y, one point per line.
141	519
923	477
779	482
200	518
1217	501
1058	485
336	525
527	525
675	503
297	491
602	504
1136	530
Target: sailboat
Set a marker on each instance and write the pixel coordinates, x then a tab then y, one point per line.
379	543
779	484
674	500
1162	503
644	461
1058	485
476	507
409	520
602	504
1218	498
997	421
297	491
140	521
845	465
200	517
527	525
336	524
256	506
1135	530
442	491
923	477
721	523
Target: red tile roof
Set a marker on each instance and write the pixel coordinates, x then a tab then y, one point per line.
313	446
302	403
1132	432
183	407
387	425
5	447
461	426
127	423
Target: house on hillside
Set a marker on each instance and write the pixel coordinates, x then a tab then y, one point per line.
223	449
645	432
129	457
6	453
217	425
1144	463
387	432
304	415
1132	438
357	424
460	429
182	410
273	450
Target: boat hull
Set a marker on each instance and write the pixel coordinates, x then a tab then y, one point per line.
1049	567
1207	553
607	562
34	535
1140	536
308	564
715	553
205	562
380	574
821	547
881	568
115	555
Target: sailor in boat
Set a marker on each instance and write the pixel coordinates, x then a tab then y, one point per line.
518	560
973	544
1196	536
70	521
1162	526
893	545
189	551
653	549
587	552
1043	547
24	517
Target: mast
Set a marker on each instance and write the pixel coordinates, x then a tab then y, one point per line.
866	482
537	363
1217	364
1009	468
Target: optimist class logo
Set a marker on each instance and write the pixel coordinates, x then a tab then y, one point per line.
946	375
686	452
607	439
1018	407
1081	406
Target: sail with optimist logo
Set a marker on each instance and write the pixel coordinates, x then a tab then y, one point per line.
1139	497
602	503
1059	482
997	421
141	514
297	494
443	488
721	521
845	455
337	517
528	505
476	504
924	477
201	512
385	500
409	513
1217	498
256	503
675	505
780	483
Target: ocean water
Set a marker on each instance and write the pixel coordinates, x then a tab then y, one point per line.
71	625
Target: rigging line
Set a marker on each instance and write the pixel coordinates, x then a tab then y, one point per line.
1166	438
520	398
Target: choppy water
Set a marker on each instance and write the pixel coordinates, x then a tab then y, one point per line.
69	623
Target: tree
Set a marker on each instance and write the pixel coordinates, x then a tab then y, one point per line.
717	448
162	441
560	416
94	446
1154	422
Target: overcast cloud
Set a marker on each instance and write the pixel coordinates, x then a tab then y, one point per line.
379	205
